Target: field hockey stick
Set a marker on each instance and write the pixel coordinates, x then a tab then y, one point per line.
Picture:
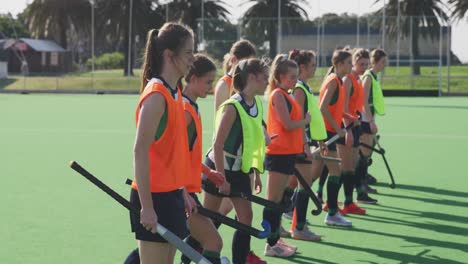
309	192
261	234
166	234
303	157
331	140
251	197
382	150
258	200
231	222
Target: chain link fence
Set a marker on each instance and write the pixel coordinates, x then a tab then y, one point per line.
419	53
419	49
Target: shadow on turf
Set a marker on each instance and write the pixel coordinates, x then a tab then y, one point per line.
411	239
445	202
431	106
298	258
433	215
431	190
440	228
402	257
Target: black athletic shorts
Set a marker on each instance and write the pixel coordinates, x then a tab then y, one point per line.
356	134
195	197
332	146
280	163
170	209
365	128
240	182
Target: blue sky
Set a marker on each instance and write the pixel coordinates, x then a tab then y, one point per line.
314	8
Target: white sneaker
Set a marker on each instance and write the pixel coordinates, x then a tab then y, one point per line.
278	250
225	260
337	220
305	234
282	242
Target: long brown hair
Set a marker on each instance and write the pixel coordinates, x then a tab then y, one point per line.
202	65
241	49
246	67
301	57
360	54
280	65
377	55
170	36
339	56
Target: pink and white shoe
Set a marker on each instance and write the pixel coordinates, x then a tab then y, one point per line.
279	250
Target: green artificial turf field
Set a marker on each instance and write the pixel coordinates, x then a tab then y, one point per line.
50	214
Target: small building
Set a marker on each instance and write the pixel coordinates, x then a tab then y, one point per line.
334	37
41	56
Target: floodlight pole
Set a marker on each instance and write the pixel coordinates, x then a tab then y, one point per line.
383	25
129	37
278	42
398	39
358	31
202	23
92	43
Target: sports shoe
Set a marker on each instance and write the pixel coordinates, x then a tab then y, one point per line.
282	242
352	208
288	215
369	189
364	198
278	250
325	208
305	234
225	260
284	232
370	179
337	220
254	259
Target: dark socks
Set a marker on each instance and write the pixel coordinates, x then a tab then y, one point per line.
274	218
361	173
348	186
333	187
213	257
301	208
323	179
240	247
287	198
133	257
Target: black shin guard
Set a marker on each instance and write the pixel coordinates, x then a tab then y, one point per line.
274	218
301	208
348	186
240	247
323	179
133	257
213	257
333	188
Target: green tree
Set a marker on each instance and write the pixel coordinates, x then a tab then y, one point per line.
189	12
459	7
113	24
54	18
10	25
418	17
260	19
